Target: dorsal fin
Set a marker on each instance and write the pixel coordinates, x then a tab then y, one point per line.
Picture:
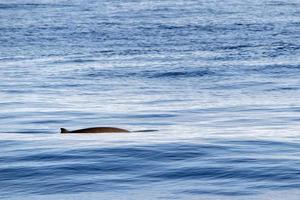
63	130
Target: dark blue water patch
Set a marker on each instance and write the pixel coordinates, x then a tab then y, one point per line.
144	50
146	116
96	168
73	61
193	32
25	6
183	74
107	74
236	47
277	3
285	46
157	74
60	185
276	187
18	91
142	153
282	70
287	89
185	29
59	85
250	174
255	27
228	192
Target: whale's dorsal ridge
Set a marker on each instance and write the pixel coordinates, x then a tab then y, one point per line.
63	130
101	130
95	130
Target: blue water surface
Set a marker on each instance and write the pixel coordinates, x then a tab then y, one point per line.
219	80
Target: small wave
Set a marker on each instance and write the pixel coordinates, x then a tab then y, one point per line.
283	89
29	5
108	168
108	74
73	61
230	192
146	74
279	69
182	74
145	116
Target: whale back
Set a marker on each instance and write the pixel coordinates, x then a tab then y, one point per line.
96	130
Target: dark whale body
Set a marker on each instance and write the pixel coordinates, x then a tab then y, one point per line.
96	130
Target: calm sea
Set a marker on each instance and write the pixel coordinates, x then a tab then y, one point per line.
218	79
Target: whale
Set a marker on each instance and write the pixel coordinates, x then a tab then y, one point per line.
95	130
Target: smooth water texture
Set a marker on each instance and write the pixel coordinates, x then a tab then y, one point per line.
219	80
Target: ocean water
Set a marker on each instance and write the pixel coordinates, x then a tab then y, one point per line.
219	80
